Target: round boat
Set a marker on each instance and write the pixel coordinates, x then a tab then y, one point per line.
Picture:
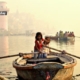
56	66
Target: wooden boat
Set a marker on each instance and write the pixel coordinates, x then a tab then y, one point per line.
71	38
61	38
56	66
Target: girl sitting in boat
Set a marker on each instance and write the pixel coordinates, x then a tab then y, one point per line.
40	49
44	50
38	43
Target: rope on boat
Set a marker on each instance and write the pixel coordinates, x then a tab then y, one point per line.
75	77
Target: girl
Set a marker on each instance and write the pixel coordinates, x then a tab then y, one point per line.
44	50
38	46
38	43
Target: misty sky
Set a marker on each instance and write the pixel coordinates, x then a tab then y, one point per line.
60	14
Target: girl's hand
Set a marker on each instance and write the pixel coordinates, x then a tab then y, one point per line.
40	51
63	52
27	56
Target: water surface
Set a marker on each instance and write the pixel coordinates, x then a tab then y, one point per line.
15	44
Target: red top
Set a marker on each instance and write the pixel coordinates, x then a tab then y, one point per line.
38	44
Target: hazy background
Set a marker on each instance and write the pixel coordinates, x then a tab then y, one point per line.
47	16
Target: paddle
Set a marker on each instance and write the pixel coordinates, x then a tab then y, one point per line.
9	56
63	52
20	54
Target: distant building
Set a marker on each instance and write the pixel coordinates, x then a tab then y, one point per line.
3	16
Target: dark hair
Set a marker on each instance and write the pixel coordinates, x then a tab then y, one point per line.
37	34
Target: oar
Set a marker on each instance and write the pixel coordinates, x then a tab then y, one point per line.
20	54
62	51
9	56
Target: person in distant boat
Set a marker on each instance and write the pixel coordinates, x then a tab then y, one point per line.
57	34
45	51
73	34
38	43
66	34
61	34
70	34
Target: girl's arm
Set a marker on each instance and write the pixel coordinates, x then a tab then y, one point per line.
36	46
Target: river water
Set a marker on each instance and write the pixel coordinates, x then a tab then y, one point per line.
10	45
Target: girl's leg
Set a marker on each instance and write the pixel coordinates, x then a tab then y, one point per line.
44	55
35	54
40	55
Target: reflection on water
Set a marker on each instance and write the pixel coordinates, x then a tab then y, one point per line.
15	44
4	45
63	44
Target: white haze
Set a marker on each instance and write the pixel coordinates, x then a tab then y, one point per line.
57	14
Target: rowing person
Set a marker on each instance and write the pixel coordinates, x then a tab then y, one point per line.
44	50
38	45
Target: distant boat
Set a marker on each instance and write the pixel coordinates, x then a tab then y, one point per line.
56	66
61	38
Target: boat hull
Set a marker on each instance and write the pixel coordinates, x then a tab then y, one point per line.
31	74
71	38
62	38
58	69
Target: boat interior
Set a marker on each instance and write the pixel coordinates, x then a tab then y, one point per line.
54	59
62	59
